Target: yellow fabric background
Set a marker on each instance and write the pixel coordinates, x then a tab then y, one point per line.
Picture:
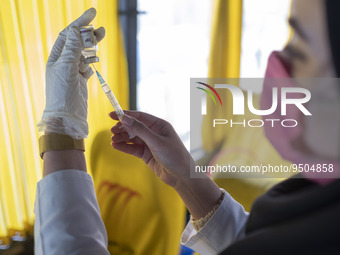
142	215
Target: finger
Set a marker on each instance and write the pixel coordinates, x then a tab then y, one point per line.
72	50
118	128
137	140
99	33
121	129
84	20
124	137
82	66
139	129
157	125
113	115
85	69
88	73
148	119
58	46
142	116
132	149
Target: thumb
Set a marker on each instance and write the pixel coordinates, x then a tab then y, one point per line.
139	129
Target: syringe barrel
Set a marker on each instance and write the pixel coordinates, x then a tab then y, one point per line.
114	102
107	90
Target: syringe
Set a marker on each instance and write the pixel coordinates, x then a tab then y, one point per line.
113	100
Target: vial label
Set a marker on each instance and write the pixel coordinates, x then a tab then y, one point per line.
87	37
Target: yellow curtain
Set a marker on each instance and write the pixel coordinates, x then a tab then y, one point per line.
28	30
224	62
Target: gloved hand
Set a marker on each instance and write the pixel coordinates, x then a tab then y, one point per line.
66	78
156	143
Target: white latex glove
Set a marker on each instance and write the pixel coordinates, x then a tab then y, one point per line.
66	78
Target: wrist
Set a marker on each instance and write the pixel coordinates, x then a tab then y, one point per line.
61	152
58	142
62	160
185	183
185	178
200	195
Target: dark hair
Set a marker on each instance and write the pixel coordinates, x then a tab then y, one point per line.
333	23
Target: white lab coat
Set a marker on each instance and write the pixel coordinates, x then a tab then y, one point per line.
67	219
224	227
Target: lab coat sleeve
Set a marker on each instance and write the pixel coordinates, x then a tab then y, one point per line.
225	226
67	216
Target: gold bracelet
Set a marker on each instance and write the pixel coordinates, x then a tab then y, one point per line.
200	223
56	142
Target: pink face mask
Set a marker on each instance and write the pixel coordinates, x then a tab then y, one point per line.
292	143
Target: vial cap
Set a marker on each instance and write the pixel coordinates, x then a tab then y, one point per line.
91	60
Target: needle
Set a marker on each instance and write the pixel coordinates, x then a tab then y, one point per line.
114	102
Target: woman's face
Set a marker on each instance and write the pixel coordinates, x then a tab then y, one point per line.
308	50
309	54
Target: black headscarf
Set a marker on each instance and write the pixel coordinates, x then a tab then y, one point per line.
296	216
333	23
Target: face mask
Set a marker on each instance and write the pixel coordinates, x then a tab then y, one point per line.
315	138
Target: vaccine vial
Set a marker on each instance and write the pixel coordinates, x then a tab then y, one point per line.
90	44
